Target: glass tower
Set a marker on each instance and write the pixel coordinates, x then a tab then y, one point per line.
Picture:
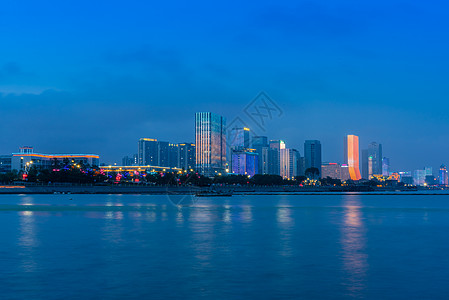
210	140
312	154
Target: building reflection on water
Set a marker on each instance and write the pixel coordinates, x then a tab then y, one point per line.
27	240
353	242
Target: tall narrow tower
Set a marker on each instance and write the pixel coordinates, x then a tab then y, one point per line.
210	140
351	156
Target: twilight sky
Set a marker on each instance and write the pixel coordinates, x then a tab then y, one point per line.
93	78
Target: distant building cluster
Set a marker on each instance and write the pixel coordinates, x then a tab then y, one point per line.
219	150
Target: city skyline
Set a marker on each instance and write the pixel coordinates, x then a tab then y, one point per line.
82	85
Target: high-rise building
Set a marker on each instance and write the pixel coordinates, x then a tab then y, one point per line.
351	156
419	177
210	141
186	156
290	159
152	152
312	154
443	178
245	162
385	166
277	161
260	146
364	167
375	152
148	152
239	138
173	155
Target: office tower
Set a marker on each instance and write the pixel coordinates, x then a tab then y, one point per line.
385	166
351	156
293	157
276	160
429	171
261	147
239	138
245	162
210	141
163	148
302	166
312	154
148	152
365	172
443	178
419	177
173	156
375	151
186	156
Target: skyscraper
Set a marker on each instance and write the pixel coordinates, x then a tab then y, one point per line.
260	145
186	156
148	152
364	166
351	156
385	166
239	138
375	151
210	140
290	165
443	180
312	154
277	160
173	155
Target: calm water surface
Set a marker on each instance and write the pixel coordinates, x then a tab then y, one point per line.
242	247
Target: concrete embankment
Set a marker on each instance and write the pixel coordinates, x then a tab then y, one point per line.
130	189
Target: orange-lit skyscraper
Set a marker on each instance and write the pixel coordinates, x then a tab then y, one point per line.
351	156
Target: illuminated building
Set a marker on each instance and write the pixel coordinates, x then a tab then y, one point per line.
443	178
173	155
130	161
312	154
345	172
148	152
335	171
364	167
5	163
245	162
375	151
351	156
289	163
419	177
260	146
277	162
239	138
385	166
210	141
26	158
186	156
156	153
406	177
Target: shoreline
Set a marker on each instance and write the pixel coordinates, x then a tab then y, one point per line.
186	190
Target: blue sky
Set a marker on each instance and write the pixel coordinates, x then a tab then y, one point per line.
77	76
